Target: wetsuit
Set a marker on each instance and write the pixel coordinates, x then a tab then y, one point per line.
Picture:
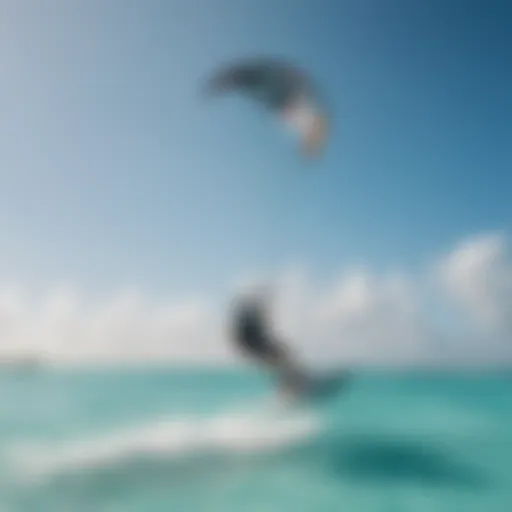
252	336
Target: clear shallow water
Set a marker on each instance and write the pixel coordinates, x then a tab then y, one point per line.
207	441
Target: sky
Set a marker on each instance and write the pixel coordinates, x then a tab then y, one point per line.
130	207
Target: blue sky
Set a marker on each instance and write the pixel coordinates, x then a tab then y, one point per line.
115	173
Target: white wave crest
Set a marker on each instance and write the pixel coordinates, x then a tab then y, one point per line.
228	433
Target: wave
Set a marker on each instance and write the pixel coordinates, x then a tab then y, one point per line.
229	433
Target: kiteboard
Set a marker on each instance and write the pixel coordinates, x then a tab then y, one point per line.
316	389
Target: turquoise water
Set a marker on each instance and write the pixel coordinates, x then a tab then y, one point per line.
205	441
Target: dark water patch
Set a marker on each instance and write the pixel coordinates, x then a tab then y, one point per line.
386	460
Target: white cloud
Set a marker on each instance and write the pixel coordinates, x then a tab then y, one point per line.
358	317
61	327
478	276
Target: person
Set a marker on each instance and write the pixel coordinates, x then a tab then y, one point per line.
253	337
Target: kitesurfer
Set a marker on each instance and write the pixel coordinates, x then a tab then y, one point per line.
253	337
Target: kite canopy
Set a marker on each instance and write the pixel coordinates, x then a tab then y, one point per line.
282	89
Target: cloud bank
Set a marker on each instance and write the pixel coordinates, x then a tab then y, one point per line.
358	317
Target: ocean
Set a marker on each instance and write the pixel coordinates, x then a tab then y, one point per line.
215	440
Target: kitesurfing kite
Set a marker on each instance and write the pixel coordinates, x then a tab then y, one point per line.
281	88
